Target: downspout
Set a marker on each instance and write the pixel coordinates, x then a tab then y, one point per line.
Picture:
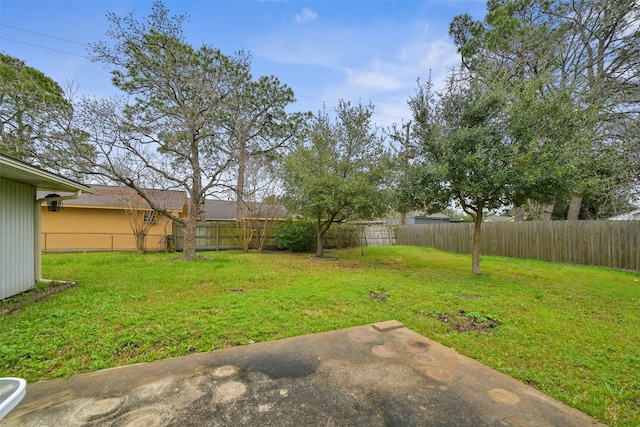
37	230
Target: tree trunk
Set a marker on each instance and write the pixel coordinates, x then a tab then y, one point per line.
320	249
240	196
475	256
547	210
518	213
189	233
140	242
189	241
574	209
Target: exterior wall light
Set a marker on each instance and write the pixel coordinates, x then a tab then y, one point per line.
53	205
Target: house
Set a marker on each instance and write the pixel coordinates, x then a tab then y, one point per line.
20	210
225	210
420	218
499	218
105	220
629	216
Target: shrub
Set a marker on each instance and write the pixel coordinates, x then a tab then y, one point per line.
295	235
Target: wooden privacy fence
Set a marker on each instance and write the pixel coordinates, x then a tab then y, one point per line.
611	244
213	236
354	235
228	235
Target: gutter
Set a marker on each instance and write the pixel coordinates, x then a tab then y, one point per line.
37	231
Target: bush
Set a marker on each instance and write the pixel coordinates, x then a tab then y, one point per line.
297	236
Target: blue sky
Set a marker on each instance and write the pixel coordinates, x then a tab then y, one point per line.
324	50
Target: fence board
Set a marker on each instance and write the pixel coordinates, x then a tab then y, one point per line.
223	235
604	243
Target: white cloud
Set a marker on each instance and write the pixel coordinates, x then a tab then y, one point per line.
377	80
306	15
389	82
377	63
399	72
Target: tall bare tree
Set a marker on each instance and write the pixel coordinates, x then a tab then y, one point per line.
262	182
171	132
259	129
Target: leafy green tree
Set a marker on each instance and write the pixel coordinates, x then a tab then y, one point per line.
587	48
338	170
473	148
34	113
190	116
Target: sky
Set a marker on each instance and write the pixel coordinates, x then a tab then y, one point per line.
326	51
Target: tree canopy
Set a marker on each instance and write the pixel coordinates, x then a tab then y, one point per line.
34	112
338	169
482	148
192	116
588	50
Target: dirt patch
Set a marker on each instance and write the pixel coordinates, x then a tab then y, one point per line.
464	321
204	283
472	296
380	296
197	258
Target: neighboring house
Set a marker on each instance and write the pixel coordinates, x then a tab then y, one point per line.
225	210
20	267
219	210
629	216
102	221
499	218
420	218
432	219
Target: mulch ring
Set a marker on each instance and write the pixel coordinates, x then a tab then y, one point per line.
464	321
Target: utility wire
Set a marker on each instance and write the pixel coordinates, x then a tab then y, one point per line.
43	47
86	57
44	35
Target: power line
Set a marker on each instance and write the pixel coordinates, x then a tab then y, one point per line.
43	47
44	35
86	57
336	104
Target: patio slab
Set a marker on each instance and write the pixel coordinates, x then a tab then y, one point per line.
373	375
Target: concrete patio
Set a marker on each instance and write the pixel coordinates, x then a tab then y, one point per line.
374	375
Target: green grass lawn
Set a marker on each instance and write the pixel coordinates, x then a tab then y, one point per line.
572	332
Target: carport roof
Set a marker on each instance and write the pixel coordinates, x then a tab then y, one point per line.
14	170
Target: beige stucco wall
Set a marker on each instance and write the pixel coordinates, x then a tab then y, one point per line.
90	228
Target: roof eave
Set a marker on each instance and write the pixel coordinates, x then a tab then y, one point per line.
14	170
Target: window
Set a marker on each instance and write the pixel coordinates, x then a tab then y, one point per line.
149	217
